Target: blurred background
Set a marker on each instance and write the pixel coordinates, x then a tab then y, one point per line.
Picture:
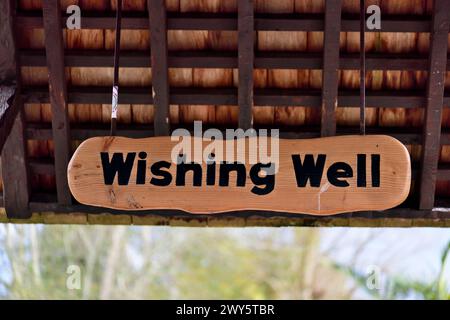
126	262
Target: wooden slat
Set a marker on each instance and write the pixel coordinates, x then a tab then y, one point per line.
225	21
228	96
330	79
213	59
435	99
159	54
42	131
245	62
58	96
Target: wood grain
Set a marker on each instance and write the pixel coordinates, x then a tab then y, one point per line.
246	62
330	78
16	180
160	73
54	45
435	99
86	180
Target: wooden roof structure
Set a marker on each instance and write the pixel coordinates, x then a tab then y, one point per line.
23	204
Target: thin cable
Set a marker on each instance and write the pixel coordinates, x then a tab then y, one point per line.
362	74
115	91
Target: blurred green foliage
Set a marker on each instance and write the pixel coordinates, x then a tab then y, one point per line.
118	262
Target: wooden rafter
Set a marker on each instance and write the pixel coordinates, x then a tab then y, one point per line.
208	59
159	54
228	96
245	62
330	80
58	96
435	100
42	131
221	21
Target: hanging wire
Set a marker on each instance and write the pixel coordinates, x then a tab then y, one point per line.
115	91
362	74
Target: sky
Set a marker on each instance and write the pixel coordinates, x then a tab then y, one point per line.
414	253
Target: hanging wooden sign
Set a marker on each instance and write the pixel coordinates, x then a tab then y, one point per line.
316	176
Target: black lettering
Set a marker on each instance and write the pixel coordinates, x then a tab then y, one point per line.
166	177
211	174
141	168
375	170
183	168
361	170
338	171
308	170
268	180
211	170
226	168
117	165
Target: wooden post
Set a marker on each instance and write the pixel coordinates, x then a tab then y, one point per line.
435	99
9	89
330	79
58	96
16	193
245	62
160	77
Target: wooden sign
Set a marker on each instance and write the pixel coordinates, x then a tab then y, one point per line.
316	176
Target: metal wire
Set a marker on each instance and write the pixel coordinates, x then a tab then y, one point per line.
115	90
362	74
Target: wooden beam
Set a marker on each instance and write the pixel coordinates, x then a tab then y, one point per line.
9	89
58	96
42	166
225	21
435	100
16	186
245	62
160	67
330	80
42	131
228	96
8	56
404	216
213	59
